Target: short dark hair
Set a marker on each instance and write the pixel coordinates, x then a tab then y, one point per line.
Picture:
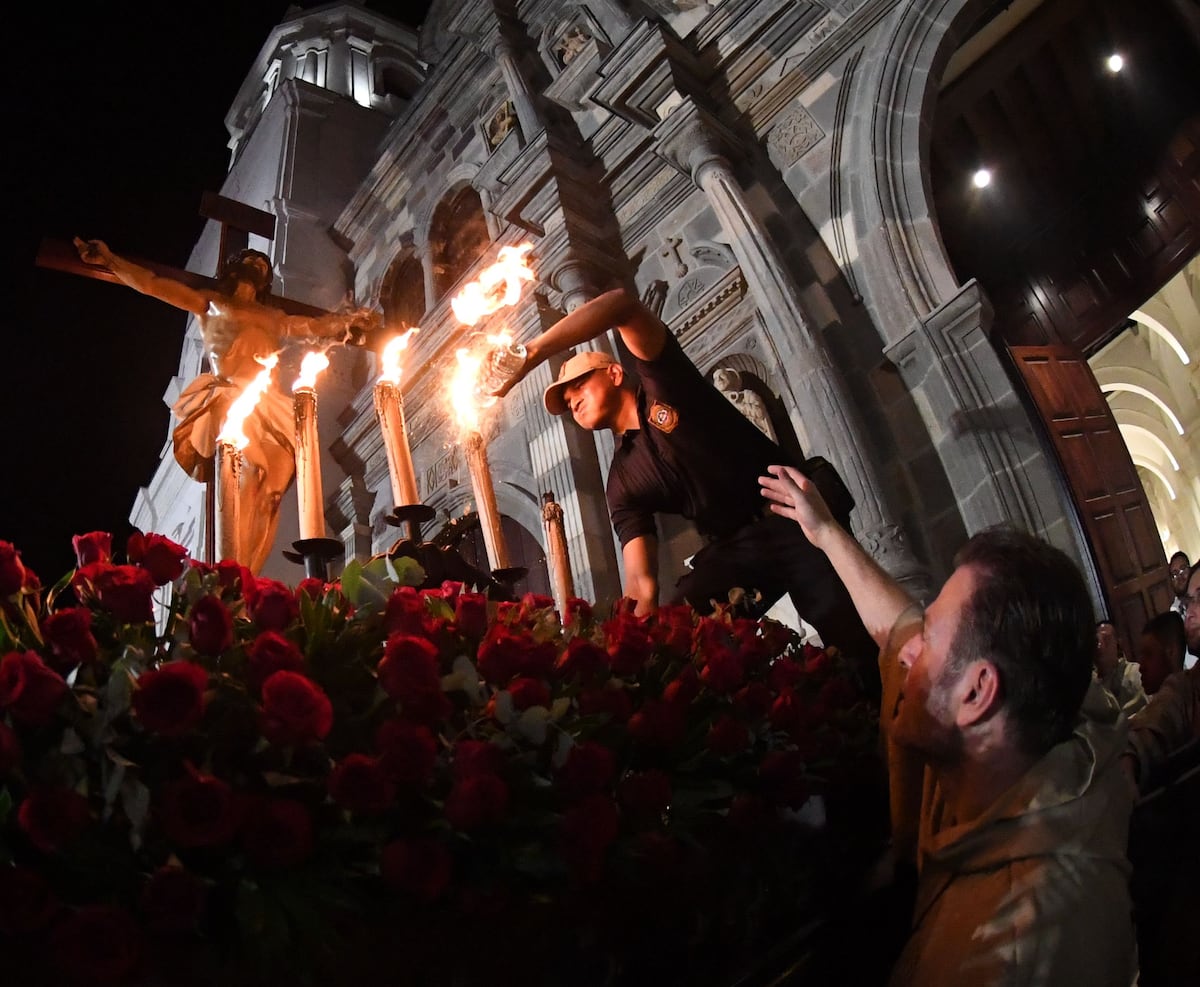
1179	555
1168	628
1032	617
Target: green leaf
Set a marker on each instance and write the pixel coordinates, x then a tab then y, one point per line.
406	571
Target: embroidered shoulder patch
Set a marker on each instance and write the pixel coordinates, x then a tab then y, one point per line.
663	417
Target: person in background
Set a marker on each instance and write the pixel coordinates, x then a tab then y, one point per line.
1161	649
1121	677
1005	784
1178	569
682	448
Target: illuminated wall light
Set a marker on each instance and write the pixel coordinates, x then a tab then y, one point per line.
1114	63
982	178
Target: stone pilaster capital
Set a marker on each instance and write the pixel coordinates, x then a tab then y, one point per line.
692	139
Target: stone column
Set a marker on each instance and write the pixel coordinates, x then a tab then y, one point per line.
518	89
691	139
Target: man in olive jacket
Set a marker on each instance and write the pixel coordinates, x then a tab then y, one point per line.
1005	783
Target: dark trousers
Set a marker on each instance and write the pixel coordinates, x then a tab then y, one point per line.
772	556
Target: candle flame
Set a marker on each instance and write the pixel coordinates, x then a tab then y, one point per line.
462	391
245	403
313	363
390	357
496	287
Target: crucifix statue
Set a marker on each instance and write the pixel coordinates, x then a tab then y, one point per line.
238	327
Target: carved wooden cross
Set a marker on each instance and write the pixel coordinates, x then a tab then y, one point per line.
238	221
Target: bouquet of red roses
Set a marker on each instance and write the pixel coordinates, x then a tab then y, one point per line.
207	776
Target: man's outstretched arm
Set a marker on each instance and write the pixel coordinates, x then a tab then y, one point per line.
642	332
877	597
640	556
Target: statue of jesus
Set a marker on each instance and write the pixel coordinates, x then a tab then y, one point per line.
237	328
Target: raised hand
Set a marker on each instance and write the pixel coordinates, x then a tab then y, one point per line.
793	495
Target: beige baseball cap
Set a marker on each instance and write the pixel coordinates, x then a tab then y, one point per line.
573	369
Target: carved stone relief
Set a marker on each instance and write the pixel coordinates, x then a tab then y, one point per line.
500	124
795	133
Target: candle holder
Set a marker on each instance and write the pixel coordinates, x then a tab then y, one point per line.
410	517
315	554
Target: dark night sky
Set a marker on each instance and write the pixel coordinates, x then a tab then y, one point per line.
114	130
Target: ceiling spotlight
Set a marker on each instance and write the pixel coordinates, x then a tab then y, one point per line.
982	178
1114	63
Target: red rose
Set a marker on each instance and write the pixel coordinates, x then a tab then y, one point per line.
315	588
52	818
751	642
172	901
660	725
420	867
587	830
476	802
295	710
95	546
791	713
728	736
29	688
673	628
785	674
753	700
783	780
588	769
26	902
199	810
159	556
210	626
645	795
68	632
470	615
235	579
749	815
408	751
816	660
96	944
473	758
125	591
629	644
501	653
528	692
169	700
359	783
10	750
579	612
277	833
533	605
406	613
274	606
269	653
451	590
12	570
581	660
684	687
724	671
611	701
409	674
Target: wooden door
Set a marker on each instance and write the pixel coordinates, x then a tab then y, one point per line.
1107	491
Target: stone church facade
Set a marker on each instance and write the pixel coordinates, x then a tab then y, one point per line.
756	168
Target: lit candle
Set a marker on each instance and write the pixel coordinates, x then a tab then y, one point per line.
228	495
230	443
466	412
558	557
308	446
389	407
